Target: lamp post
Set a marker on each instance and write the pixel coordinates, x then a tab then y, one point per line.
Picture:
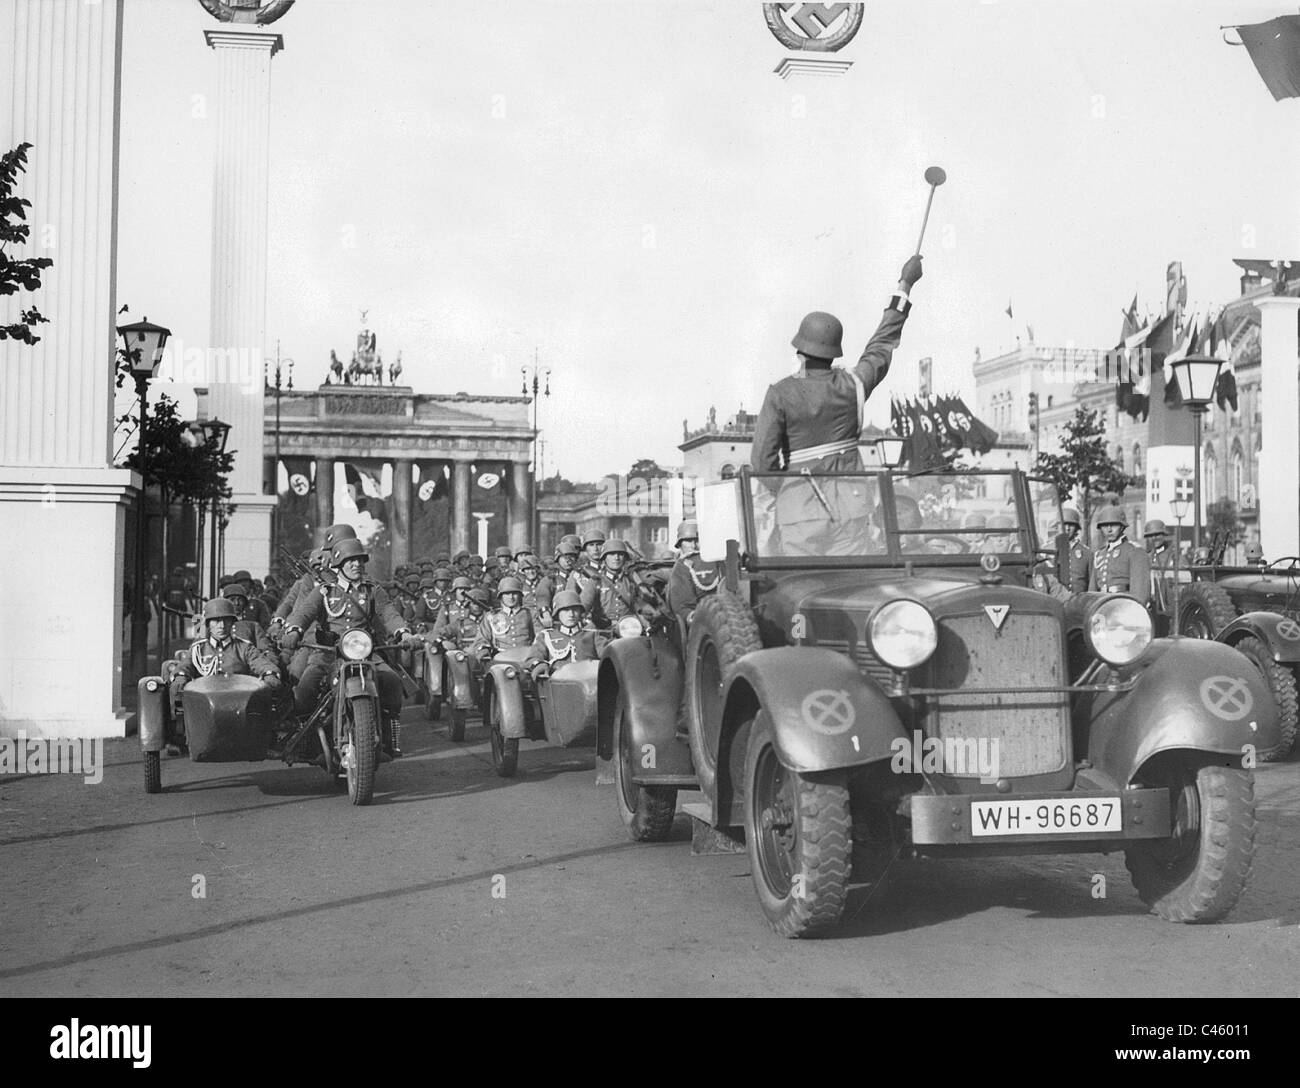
280	364
534	518
1197	375
1178	507
142	343
217	432
889	450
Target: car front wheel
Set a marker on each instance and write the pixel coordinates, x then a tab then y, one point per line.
1200	871
798	831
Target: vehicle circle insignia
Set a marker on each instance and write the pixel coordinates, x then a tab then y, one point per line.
299	483
1227	697
829	711
1289	630
990	562
803	27
426	490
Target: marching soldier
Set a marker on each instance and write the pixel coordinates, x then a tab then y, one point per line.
1119	567
570	640
351	602
510	626
613	594
1080	553
690	578
810	423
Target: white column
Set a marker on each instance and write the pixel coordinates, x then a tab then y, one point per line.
61	501
1279	487
238	309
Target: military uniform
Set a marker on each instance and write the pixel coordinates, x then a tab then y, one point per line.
608	599
560	646
811	421
690	580
429	607
503	630
1080	566
537	600
1122	567
235	656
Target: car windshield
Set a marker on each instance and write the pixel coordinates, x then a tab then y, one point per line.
876	515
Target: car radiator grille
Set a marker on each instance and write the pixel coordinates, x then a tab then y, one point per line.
856	649
1031	731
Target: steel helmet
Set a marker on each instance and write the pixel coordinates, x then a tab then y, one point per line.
1001	521
1070	516
459	556
566	598
688	530
348	549
571	538
526	549
462	583
595	536
235	590
492	563
242	576
443	560
219	608
1254	553
509	584
480	597
1110	515
567	547
503	552
614	547
820	335
530	561
341	531
428	583
975	521
1154	527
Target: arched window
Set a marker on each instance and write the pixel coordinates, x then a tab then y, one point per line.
1119	456
1210	474
1237	480
1137	458
728	471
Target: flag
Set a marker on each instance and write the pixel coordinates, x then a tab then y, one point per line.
433	482
1274	46
1175	290
1130	321
298	470
1160	341
979	437
942	433
1217	345
1008	311
925	447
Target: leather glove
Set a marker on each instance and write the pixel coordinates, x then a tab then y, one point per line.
291	640
540	669
277	625
911	271
410	641
271	680
449	646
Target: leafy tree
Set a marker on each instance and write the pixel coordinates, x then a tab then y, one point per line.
648	469
556	485
18	275
1084	467
1222	522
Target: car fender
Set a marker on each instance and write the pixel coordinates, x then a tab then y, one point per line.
1284	643
1179	685
649	673
508	695
825	713
154	708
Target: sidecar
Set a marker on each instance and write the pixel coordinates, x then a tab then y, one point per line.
559	709
461	688
227	719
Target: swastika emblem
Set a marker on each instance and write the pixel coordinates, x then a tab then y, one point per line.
299	483
1289	630
1227	697
829	711
805	26
426	490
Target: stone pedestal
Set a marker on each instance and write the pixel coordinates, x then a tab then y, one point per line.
1279	484
62	504
237	333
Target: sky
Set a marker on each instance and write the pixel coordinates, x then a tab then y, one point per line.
629	190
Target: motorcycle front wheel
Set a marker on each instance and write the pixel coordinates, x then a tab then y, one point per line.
363	759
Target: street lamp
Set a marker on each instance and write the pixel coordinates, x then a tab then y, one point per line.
142	342
889	450
1178	507
1197	375
534	518
280	364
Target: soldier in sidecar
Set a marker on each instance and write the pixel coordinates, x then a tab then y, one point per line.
460	670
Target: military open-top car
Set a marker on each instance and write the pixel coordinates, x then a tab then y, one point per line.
875	679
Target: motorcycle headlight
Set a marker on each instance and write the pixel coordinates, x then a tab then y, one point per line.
460	655
902	634
356	645
629	627
151	685
511	674
1118	630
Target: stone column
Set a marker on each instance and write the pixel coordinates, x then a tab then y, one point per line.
636	535
1279	492
460	507
237	332
520	506
401	546
61	500
324	493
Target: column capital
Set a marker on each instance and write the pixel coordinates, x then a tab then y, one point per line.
244	39
1280	302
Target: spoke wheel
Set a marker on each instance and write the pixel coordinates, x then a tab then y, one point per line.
798	831
647	811
505	750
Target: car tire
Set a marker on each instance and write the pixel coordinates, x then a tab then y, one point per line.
1204	609
456	727
722	632
1281	682
153	772
816	845
1199	873
647	811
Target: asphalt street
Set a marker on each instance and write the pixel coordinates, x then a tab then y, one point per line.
458	882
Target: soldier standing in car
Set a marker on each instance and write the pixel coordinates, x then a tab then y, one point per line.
810	422
1121	566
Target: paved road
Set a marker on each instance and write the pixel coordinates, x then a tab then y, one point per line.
307	895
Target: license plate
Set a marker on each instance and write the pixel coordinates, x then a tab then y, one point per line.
1077	816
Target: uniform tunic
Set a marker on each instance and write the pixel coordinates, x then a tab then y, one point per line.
503	630
458	626
236	656
537	599
563	645
811	421
1080	566
690	580
1122	568
607	600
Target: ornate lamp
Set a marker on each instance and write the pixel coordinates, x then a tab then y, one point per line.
1197	375
889	449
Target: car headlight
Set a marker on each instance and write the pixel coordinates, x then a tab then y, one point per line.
902	634
1118	630
629	627
356	645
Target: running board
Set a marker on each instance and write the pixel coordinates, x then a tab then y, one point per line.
707	839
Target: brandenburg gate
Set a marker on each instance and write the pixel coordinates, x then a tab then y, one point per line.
431	441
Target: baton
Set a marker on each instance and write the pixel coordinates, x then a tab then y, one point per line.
936	176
